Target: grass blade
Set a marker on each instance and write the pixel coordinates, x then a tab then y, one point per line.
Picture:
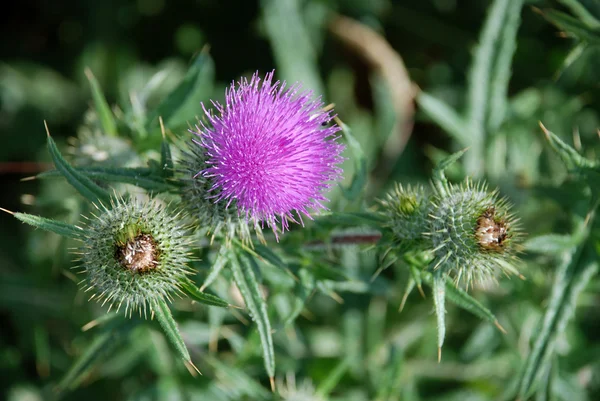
105	115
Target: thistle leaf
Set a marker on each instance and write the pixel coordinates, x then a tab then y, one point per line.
551	243
169	326
105	115
479	78
207	299
141	177
217	266
181	105
166	159
444	116
438	176
439	298
243	274
501	70
58	227
79	181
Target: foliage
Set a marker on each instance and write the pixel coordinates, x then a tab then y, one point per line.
496	173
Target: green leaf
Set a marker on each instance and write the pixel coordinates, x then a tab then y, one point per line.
183	104
479	83
79	181
208	299
58	227
359	180
266	254
568	154
302	291
551	243
439	298
502	68
218	265
166	159
438	176
572	276
105	115
167	323
286	30
444	116
243	274
140	177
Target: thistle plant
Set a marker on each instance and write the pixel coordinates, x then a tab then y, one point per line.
157	233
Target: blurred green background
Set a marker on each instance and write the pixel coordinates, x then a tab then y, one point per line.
47	45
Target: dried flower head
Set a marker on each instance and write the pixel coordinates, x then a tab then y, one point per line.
270	151
472	234
134	253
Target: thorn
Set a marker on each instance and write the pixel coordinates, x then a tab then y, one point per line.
235	306
162	127
421	291
439	354
546	132
90	325
31	178
192	368
7	211
202	288
272	381
404	298
522	277
497	324
47	130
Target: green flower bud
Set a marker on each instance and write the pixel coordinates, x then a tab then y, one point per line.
214	218
133	254
406	212
472	234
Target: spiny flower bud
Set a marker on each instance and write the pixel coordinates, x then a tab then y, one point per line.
212	217
406	212
472	233
133	254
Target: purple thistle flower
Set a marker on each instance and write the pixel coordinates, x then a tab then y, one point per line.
270	151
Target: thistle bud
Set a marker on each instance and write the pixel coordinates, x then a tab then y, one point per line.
133	254
472	234
406	212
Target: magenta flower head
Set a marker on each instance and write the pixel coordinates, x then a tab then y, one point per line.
270	151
